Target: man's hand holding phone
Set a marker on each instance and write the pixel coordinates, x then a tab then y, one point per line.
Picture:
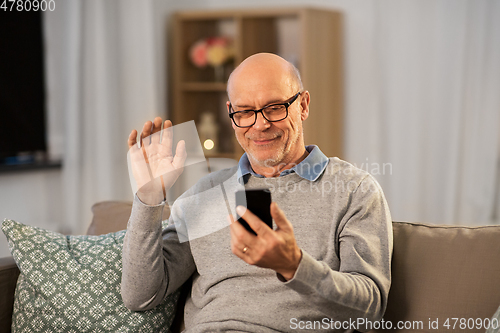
275	249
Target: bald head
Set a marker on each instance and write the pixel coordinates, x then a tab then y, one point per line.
264	69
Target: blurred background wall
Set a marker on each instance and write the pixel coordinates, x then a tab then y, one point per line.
422	109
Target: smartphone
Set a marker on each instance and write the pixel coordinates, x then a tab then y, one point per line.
258	201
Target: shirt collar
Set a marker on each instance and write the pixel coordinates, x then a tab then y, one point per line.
310	168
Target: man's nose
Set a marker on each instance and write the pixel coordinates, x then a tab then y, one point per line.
261	123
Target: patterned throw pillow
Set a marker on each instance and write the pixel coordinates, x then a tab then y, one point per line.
71	284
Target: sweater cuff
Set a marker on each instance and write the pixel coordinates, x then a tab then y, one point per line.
145	217
309	273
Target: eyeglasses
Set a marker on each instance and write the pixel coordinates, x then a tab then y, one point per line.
271	113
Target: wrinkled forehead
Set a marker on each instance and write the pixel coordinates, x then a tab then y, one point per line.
260	83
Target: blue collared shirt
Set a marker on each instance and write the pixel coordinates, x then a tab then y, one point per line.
310	168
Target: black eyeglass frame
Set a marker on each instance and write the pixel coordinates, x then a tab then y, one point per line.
286	105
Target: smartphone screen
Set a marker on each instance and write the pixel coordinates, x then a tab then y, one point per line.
258	201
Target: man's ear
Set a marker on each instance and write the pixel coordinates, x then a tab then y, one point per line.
228	103
304	105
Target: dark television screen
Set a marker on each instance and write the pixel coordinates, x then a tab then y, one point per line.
22	92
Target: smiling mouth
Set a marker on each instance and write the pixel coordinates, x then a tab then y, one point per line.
263	141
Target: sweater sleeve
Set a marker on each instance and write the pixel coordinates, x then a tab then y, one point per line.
155	263
359	289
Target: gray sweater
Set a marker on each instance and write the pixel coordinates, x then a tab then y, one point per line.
341	222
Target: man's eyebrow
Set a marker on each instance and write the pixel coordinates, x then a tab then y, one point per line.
248	107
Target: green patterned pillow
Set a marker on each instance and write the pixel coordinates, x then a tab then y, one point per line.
72	284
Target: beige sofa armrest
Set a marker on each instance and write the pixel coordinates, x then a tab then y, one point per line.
8	279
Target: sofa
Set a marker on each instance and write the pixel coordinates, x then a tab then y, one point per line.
444	278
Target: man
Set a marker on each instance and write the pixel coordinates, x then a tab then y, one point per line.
327	262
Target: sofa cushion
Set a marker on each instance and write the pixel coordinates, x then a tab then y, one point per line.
72	284
111	216
441	272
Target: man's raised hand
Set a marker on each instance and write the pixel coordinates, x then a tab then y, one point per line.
154	168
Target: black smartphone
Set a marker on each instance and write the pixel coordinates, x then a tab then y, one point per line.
258	201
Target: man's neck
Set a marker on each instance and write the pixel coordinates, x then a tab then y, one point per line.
276	170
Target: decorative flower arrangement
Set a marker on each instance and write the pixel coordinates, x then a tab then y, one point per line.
213	51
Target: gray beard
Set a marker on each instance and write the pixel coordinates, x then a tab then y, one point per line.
277	159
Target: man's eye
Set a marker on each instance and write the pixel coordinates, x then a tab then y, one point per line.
245	114
275	108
